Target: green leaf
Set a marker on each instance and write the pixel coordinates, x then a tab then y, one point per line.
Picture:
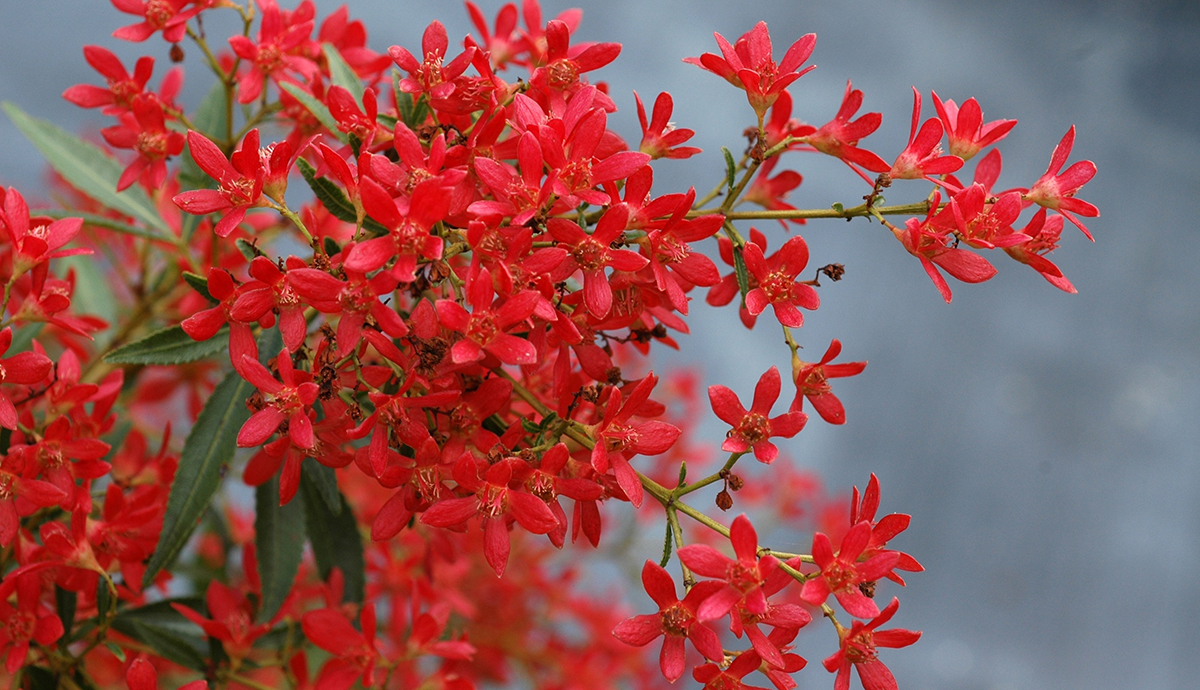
342	74
730	168
169	346
207	451
86	167
324	479
317	108
23	337
165	630
93	294
116	651
200	284
39	678
335	539
334	199
412	111
279	538
104	222
739	268
64	604
248	249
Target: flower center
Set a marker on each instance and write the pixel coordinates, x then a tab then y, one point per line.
753	428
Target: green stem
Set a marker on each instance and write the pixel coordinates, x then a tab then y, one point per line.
710	479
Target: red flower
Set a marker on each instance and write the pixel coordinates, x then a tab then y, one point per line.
923	158
145	131
842	574
769	192
23	368
496	503
714	678
675	621
749	65
660	138
432	75
167	16
839	137
141	676
287	401
1044	234
231	614
409	223
592	253
31	621
883	529
240	180
934	251
812	382
273	55
744	577
486	326
354	653
859	645
777	284
617	438
558	75
966	129
753	428
122	87
1057	191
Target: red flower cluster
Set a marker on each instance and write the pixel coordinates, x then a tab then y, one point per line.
445	345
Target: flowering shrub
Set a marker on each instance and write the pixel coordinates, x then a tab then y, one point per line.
435	353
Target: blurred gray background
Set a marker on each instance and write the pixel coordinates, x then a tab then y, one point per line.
1045	443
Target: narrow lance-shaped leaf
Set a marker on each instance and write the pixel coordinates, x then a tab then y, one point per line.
334	199
169	346
207	451
342	74
335	539
165	630
279	538
104	222
317	108
87	167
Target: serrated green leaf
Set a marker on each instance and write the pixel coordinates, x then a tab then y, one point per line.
342	74
730	168
200	284
335	539
279	537
317	108
86	167
334	199
104	222
169	346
